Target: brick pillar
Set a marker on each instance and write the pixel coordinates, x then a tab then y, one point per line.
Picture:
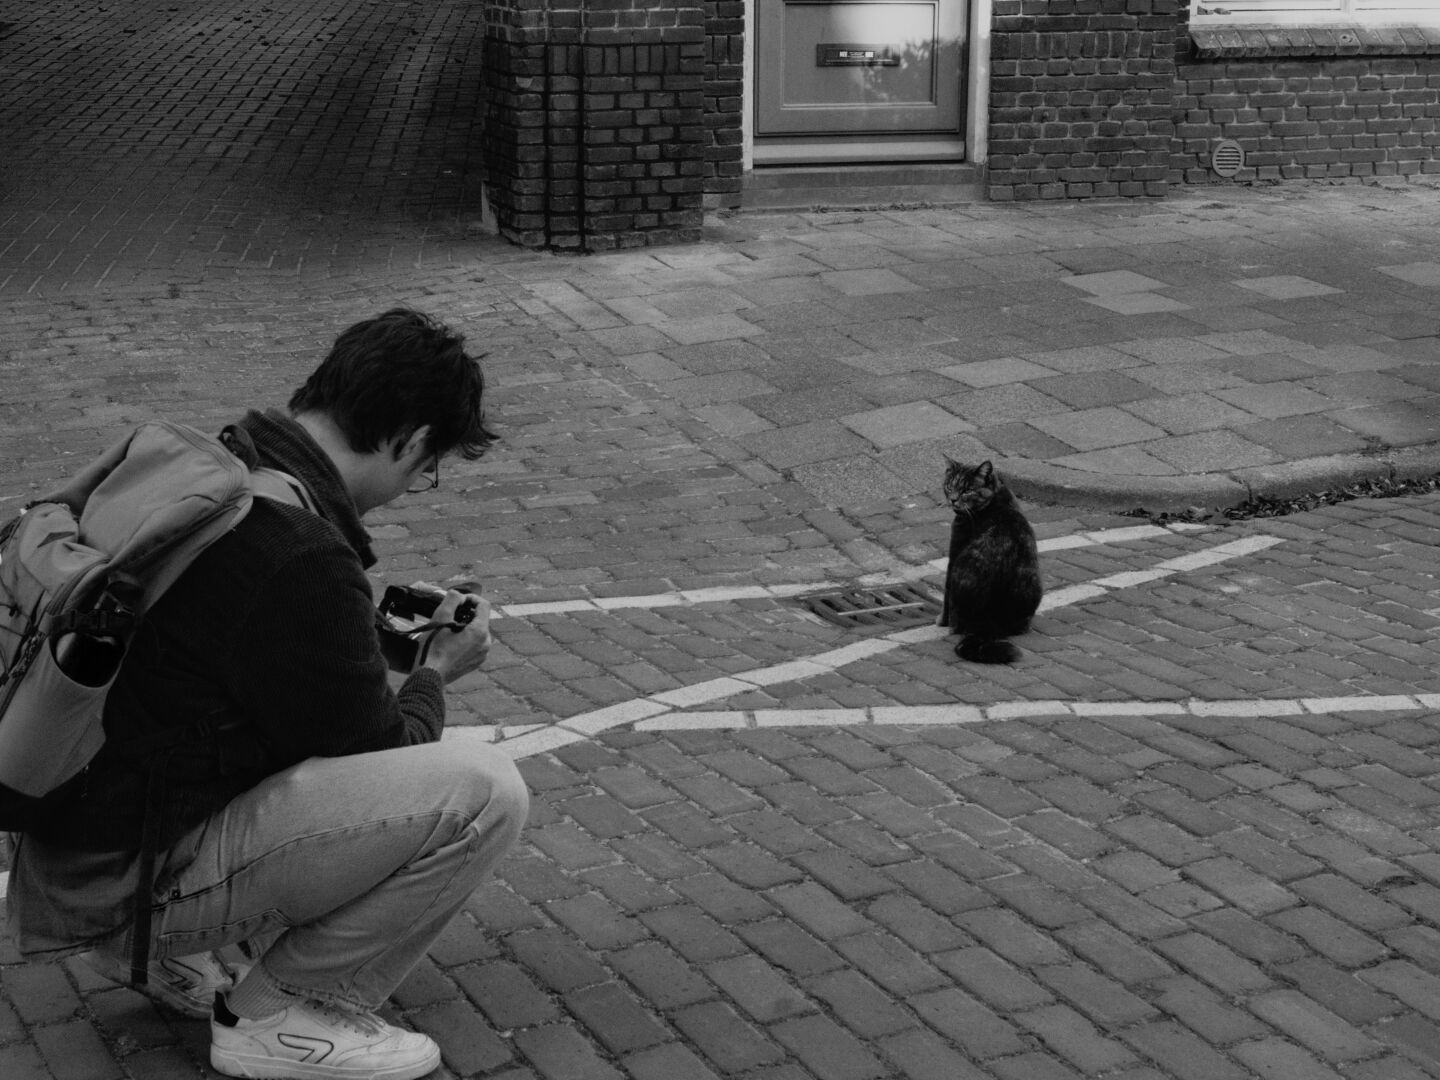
516	101
724	99
1184	101
1081	98
594	121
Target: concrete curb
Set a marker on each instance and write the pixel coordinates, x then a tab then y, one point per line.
1042	483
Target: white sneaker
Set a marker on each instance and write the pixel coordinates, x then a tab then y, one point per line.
311	1039
187	984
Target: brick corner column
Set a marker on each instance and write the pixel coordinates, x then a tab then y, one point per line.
595	134
515	91
1081	98
724	102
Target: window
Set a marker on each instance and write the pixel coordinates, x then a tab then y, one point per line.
1311	12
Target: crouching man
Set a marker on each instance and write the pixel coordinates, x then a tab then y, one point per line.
314	819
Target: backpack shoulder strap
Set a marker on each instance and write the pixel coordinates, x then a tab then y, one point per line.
282	487
172	493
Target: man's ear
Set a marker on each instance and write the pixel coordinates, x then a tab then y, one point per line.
404	446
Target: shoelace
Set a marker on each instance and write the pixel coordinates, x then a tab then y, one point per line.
362	1022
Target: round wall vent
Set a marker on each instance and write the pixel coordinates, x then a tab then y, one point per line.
1228	157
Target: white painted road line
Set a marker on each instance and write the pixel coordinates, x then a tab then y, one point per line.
717	595
1013	710
585	725
1197	560
727	593
1099	538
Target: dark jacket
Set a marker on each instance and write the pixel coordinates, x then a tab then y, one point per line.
263	652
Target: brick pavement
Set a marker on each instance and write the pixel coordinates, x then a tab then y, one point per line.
169	132
1190	834
1098	886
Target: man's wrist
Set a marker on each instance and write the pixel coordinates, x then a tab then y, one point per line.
441	672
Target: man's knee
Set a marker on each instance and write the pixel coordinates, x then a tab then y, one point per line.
496	790
509	792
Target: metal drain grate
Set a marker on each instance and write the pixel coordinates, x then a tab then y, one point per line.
889	606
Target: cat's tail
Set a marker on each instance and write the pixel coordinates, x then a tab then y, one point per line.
980	650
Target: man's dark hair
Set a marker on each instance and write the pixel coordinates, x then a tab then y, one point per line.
390	375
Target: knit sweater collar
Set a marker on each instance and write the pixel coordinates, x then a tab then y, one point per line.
283	444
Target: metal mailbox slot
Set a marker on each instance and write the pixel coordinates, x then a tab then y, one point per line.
847	55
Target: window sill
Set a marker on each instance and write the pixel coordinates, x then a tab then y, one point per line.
1212	41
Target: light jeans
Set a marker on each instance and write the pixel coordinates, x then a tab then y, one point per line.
350	867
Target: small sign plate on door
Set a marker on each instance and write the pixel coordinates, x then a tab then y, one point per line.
855	56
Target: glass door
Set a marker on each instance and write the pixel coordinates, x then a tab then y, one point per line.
858	79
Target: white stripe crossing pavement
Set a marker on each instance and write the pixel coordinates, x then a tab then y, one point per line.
725	593
909	715
585	725
1196	560
718	594
913	715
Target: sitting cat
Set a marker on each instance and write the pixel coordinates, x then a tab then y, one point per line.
992	583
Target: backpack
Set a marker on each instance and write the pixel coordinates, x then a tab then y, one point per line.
80	567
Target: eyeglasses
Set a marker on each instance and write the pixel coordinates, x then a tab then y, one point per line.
429	479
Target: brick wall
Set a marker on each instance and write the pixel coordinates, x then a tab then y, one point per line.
1081	98
1306	104
595	133
614	123
724	97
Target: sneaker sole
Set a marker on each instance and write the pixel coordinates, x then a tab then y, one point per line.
256	1067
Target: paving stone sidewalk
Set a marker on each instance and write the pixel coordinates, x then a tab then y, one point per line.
1201	349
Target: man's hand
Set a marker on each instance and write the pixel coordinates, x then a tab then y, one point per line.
454	653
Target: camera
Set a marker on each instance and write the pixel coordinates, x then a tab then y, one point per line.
405	619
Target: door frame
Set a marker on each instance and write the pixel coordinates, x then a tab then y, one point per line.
976	118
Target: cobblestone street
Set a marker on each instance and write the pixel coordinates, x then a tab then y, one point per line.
1190	835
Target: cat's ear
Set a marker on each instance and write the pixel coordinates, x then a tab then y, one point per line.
985	471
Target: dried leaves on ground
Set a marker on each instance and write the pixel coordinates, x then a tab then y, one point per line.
1265	506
